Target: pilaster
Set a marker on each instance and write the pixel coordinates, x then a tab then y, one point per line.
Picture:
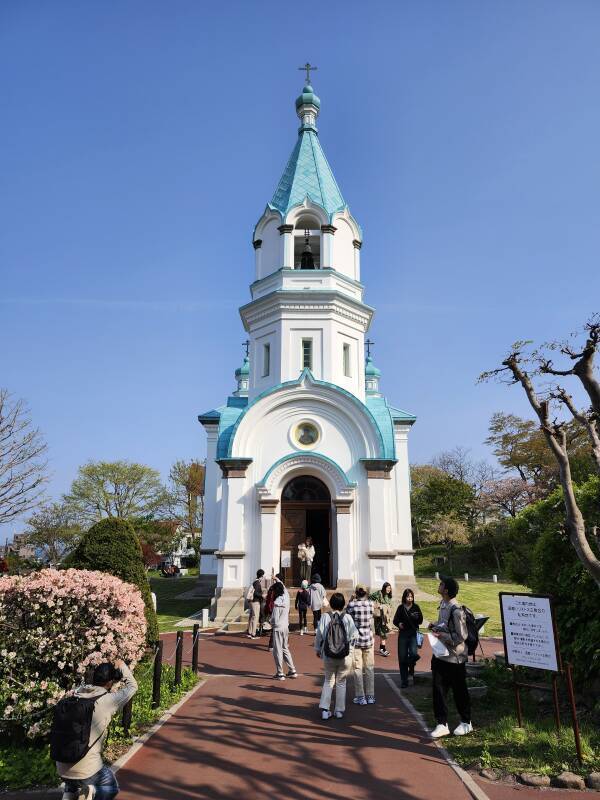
327	232
287	246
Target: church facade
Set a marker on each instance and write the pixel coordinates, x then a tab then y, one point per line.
306	445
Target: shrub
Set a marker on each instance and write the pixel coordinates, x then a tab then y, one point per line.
54	624
547	561
112	546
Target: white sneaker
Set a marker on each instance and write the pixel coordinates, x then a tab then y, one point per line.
325	714
463	729
301	631
338	714
439	731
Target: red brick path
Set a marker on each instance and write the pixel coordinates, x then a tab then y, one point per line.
243	735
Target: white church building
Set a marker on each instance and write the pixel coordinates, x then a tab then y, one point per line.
306	445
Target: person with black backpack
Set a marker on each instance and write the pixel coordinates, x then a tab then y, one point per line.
335	639
79	729
448	667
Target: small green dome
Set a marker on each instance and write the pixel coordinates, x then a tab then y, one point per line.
308	97
244	369
371	369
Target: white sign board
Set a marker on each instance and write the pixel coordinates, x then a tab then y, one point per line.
286	559
529	631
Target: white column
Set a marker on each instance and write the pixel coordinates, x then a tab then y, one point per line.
210	533
269	537
357	246
345	549
327	232
378	522
232	532
287	246
258	257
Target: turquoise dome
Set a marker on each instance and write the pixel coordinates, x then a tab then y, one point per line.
308	97
244	369
371	369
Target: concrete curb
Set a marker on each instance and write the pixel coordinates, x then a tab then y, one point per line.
475	790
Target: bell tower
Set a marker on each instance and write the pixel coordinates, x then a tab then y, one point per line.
307	309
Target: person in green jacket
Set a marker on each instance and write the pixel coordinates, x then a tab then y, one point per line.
383	615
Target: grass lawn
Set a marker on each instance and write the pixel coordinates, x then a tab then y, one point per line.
496	740
482	598
170	610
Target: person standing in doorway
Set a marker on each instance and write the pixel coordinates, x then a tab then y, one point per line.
334	643
361	611
256	604
383	615
407	619
280	623
449	671
306	554
318	598
302	603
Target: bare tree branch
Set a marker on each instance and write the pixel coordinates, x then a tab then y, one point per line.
557	441
22	463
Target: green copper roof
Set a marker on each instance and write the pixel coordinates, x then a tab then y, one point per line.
308	97
371	369
244	369
307	174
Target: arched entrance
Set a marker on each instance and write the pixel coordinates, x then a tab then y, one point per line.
306	511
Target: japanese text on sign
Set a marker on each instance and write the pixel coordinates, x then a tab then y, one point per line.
529	631
286	559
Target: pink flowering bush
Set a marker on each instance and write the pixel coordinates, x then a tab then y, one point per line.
53	625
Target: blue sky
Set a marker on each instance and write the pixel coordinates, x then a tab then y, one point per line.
141	140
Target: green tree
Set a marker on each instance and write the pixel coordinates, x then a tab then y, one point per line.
187	494
120	489
448	530
53	531
160	534
435	494
112	546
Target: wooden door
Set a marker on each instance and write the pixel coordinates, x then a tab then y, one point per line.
293	533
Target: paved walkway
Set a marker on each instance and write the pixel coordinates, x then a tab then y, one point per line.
243	734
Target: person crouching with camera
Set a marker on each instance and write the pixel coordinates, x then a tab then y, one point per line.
79	729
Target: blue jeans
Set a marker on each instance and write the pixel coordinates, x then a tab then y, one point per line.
408	654
104	780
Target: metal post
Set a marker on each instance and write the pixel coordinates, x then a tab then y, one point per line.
126	716
518	700
195	643
157	675
556	707
178	657
574	713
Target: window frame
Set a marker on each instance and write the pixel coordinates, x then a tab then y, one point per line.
307	341
266	366
346	360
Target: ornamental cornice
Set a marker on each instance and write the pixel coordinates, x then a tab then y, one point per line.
343	491
294	302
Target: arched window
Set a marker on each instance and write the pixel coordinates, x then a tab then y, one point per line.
306	489
307	243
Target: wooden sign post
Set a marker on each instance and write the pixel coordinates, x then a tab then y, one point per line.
531	640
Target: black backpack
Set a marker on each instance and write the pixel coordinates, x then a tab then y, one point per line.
472	639
336	638
71	728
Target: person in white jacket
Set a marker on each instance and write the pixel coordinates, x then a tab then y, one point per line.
90	777
318	599
280	622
